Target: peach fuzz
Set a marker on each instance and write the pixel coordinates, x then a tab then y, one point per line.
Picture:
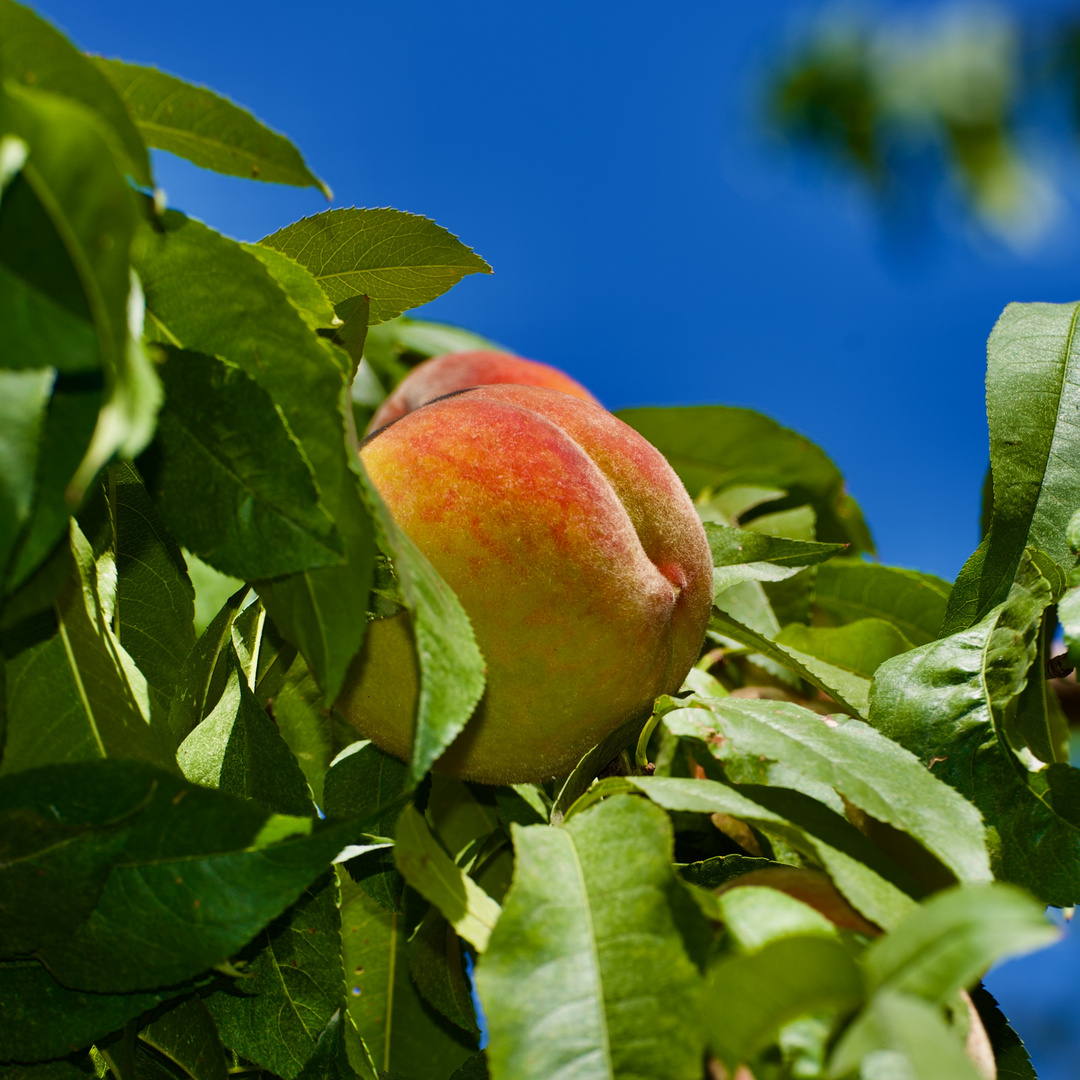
451	372
577	554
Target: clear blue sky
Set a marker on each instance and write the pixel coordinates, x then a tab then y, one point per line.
604	158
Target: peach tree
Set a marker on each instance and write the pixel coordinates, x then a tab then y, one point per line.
798	864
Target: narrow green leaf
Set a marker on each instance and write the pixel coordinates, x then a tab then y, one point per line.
306	725
949	942
588	768
180	877
195	123
404	1034
292	983
186	1035
230	479
750	997
398	260
720	447
452	670
860	647
429	870
436	968
38	55
846	590
300	286
717	871
1032	394
850	690
587	951
869	770
237	748
42	1019
733	547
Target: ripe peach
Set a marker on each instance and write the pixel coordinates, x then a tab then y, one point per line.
451	372
577	554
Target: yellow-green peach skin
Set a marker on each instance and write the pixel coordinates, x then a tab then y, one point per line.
577	554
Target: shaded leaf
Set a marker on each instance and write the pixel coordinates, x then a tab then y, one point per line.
1013	1062
860	647
436	968
1032	394
587	951
398	260
588	768
307	728
195	123
186	1035
334	1057
302	289
230	479
429	870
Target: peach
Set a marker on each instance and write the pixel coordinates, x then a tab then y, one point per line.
577	554
451	372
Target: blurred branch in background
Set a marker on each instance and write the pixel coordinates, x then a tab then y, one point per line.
956	98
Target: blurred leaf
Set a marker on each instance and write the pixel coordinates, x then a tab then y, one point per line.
750	997
868	769
404	1034
756	915
187	1036
587	950
208	294
720	447
945	702
361	780
1032	394
1068	613
473	1069
452	669
171	878
36	54
42	1019
848	689
731	547
230	479
302	289
74	1067
195	123
212	589
237	748
905	1028
201	679
436	968
398	260
429	870
69	697
24	401
863	874
949	942
292	983
860	647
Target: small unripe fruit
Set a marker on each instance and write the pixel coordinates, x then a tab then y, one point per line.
578	556
446	374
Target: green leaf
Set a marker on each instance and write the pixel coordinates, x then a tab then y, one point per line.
75	1067
850	690
42	1019
436	968
398	260
1032	394
300	286
306	726
720	447
37	55
750	997
170	878
587	950
206	293
902	1036
75	695
733	547
756	915
335	1056
860	647
229	478
404	1034
473	1069
429	870
195	123
186	1035
237	748
717	871
292	983
869	770
1013	1062
452	669
949	942
863	874
947	701
588	768
24	401
1068	613
846	590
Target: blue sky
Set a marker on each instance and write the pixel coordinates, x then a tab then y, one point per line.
645	235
